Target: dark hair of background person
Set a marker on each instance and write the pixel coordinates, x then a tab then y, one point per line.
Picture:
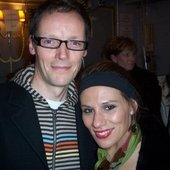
116	46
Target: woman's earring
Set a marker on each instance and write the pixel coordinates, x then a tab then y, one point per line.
133	122
131	112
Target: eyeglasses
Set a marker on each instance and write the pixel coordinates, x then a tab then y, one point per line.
53	43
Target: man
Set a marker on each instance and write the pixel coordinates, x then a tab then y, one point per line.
40	120
123	51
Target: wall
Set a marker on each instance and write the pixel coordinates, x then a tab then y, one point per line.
129	21
12	42
102	28
160	17
13	38
157	14
135	15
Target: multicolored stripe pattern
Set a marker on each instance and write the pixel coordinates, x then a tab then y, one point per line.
60	137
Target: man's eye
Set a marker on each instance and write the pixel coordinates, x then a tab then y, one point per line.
76	43
48	41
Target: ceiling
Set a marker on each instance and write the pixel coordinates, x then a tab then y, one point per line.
36	1
27	1
22	1
137	1
15	4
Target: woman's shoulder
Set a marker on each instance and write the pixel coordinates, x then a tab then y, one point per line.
153	130
155	144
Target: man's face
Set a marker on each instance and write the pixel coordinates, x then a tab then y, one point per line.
58	67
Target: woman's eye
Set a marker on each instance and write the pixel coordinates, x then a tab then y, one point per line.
87	110
109	107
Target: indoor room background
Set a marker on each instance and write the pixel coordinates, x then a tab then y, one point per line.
146	21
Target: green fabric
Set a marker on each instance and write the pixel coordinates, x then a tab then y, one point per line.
134	140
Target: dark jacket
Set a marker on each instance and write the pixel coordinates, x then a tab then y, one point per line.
21	145
149	88
155	146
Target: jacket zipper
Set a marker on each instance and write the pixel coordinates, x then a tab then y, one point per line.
54	140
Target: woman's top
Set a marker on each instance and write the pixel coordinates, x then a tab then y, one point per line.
151	149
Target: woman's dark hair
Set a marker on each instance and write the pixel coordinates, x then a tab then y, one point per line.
109	66
107	73
62	6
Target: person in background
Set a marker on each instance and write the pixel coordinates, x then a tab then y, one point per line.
40	122
128	137
123	51
164	82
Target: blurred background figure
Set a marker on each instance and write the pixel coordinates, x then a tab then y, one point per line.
165	102
123	51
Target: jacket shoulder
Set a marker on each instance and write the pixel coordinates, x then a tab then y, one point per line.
12	90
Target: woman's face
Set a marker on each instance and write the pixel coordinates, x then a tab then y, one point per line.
107	115
125	59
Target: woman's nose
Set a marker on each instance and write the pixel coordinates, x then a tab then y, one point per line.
98	120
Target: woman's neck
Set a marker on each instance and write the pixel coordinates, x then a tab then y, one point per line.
121	145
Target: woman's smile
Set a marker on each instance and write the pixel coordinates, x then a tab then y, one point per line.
102	134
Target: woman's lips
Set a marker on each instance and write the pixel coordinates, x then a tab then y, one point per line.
102	134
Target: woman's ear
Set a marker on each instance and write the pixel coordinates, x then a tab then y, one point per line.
134	106
113	58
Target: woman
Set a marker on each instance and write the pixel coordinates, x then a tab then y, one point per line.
123	51
111	110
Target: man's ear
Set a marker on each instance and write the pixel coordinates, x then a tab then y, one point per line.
113	58
85	53
31	46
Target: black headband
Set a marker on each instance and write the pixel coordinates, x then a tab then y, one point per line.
110	79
